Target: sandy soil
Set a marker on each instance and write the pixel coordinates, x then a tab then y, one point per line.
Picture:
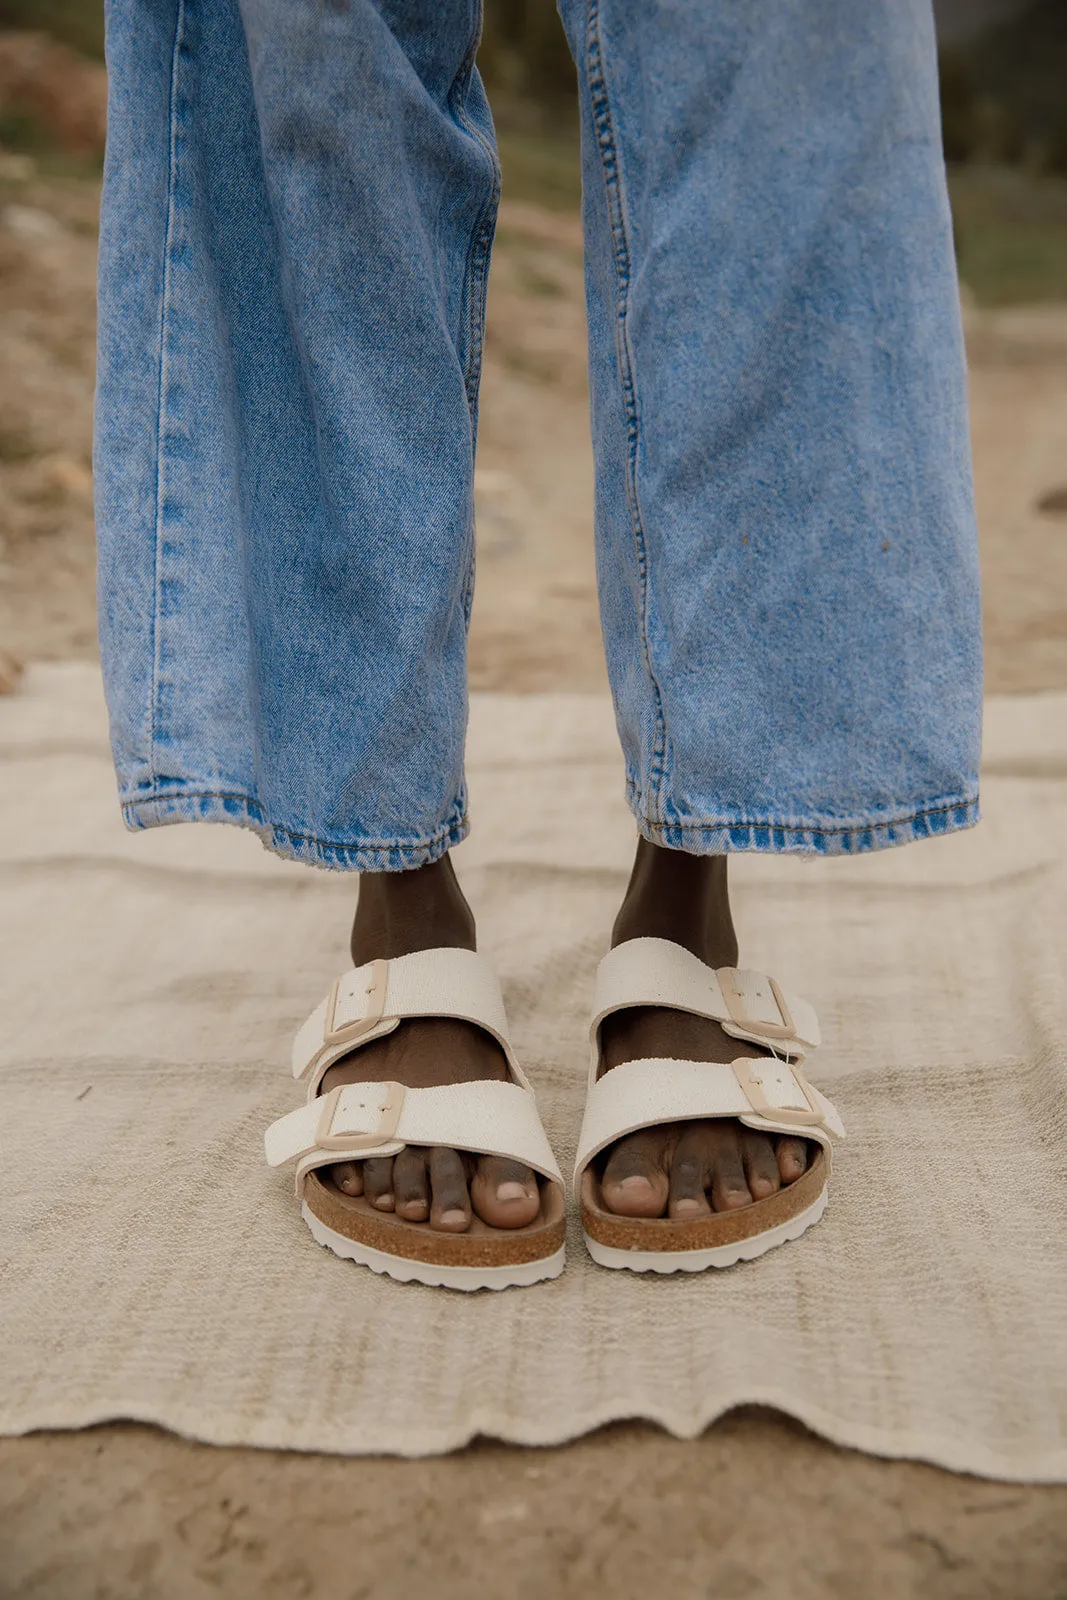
755	1508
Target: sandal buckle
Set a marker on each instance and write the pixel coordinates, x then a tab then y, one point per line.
346	1032
361	1138
735	1005
750	1073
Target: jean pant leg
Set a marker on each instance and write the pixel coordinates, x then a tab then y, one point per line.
298	209
785	530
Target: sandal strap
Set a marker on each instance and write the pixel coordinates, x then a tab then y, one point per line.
749	1005
764	1092
356	1121
368	1002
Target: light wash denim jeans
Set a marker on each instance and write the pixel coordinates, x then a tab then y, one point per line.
298	212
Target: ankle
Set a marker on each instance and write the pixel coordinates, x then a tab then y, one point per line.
400	912
681	897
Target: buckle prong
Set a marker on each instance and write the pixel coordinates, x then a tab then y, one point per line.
748	1072
348	1031
735	1000
388	1117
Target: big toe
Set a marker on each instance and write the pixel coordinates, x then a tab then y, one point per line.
504	1193
635	1181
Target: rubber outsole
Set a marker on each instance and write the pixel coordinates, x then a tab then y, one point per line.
517	1275
723	1255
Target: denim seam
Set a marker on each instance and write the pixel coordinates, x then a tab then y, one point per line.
482	240
477	274
600	106
164	322
137	803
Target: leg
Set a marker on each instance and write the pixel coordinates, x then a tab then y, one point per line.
298	210
785	534
298	207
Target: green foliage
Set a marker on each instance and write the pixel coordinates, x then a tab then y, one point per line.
21	131
1002	95
542	167
1011	233
525	55
1057	148
79	23
957	105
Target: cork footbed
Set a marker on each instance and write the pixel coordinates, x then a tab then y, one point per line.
702	1233
480	1246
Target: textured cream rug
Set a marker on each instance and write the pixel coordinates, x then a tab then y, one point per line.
152	1267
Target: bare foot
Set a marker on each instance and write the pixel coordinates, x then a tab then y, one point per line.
685	1169
398	913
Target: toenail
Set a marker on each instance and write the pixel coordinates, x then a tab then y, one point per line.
681	1206
453	1216
513	1191
384	1202
634	1183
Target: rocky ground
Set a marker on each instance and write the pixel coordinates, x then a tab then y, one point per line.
755	1508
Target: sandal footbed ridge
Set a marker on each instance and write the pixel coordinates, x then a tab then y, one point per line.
700	1233
481	1246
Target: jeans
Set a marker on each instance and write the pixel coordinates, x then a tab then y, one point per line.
298	213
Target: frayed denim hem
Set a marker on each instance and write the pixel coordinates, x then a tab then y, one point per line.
370	855
724	836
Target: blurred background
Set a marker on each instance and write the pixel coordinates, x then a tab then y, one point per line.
1003	70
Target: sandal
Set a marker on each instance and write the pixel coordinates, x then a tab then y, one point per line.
767	1092
359	1120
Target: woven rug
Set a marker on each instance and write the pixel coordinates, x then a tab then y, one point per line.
152	1267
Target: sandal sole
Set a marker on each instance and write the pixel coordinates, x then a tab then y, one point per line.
404	1270
661	1244
723	1255
481	1258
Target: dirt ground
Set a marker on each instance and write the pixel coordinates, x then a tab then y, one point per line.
757	1507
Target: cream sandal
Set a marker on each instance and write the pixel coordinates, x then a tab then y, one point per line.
378	1119
769	1093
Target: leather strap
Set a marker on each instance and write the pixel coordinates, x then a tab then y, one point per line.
767	1093
749	1005
368	1002
360	1120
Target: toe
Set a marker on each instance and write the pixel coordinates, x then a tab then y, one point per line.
450	1207
729	1190
411	1185
792	1159
635	1181
760	1164
504	1193
378	1182
348	1175
689	1178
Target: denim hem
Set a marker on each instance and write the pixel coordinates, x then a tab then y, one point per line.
726	835
368	855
